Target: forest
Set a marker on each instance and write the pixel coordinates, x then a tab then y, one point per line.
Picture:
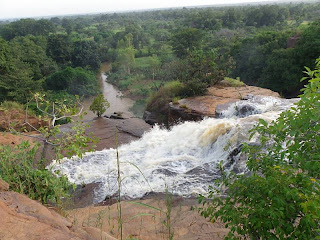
162	56
266	46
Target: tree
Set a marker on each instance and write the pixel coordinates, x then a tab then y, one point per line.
186	40
99	105
16	76
279	198
85	54
125	53
75	142
75	81
59	47
24	27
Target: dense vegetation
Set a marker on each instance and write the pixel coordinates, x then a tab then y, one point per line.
264	45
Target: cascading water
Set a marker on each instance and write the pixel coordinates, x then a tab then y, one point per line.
184	159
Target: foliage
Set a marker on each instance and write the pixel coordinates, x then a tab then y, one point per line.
24	27
18	167
75	81
125	53
59	48
280	197
99	105
18	76
194	87
85	54
69	143
234	82
186	40
165	94
251	54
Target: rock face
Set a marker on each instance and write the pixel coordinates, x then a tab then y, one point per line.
25	219
146	223
218	99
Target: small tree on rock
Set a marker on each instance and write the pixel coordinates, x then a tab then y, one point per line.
99	105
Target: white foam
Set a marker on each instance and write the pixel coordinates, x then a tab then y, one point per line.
185	159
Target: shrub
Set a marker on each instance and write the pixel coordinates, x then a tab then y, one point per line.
234	82
99	105
9	105
165	95
18	167
194	87
76	81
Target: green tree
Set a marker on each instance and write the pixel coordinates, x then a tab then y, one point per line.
16	76
59	48
125	53
85	54
75	81
280	197
99	105
24	27
187	40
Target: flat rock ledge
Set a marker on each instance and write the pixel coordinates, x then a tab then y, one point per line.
218	97
26	219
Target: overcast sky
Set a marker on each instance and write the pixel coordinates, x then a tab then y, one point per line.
35	8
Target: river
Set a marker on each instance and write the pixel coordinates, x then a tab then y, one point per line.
111	93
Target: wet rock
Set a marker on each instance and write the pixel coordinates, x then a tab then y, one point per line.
245	110
4	186
221	108
150	117
165	172
236	160
117	115
83	195
179	113
233	157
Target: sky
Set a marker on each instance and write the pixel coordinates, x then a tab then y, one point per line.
36	8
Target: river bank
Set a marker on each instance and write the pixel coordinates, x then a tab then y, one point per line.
112	132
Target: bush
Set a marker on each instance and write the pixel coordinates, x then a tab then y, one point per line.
9	105
165	95
234	82
280	198
18	167
194	87
99	105
75	81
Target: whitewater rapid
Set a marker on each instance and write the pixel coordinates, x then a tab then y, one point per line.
184	159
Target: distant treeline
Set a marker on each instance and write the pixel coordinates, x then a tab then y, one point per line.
265	45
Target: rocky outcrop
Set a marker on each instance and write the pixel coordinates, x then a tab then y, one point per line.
26	219
142	219
217	100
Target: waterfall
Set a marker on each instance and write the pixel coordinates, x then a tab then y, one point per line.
184	159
